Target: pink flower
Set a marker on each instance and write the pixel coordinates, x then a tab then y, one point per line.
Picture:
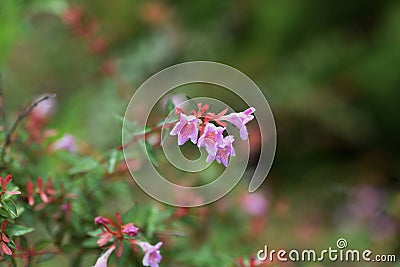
44	109
130	229
223	152
102	260
240	120
254	204
152	255
4	182
186	129
211	138
29	192
67	142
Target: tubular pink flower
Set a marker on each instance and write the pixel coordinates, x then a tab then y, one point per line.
211	138
240	120
223	152
186	129
102	260
152	255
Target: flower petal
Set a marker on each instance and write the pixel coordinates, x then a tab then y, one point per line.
6	249
102	260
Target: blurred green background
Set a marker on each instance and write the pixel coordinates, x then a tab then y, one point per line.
329	69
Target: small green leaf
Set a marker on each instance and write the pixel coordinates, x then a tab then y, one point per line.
94	233
149	150
45	257
115	157
170	106
69	248
85	165
42	244
191	102
90	243
164	135
19	230
142	130
4	213
23	243
10	207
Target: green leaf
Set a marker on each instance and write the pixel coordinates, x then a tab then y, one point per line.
90	243
19	230
23	243
85	165
164	135
10	207
142	130
152	221
42	244
191	102
4	213
94	233
69	248
129	126
45	257
170	106
115	157
149	150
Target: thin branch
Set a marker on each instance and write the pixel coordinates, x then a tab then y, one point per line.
19	119
137	137
3	106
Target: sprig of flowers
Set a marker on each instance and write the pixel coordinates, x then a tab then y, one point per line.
218	146
117	233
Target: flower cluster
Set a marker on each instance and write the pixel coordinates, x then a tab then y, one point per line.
218	146
43	191
116	233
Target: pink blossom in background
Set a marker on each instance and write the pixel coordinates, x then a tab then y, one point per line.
384	227
38	118
44	109
240	120
186	129
211	138
67	142
254	204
